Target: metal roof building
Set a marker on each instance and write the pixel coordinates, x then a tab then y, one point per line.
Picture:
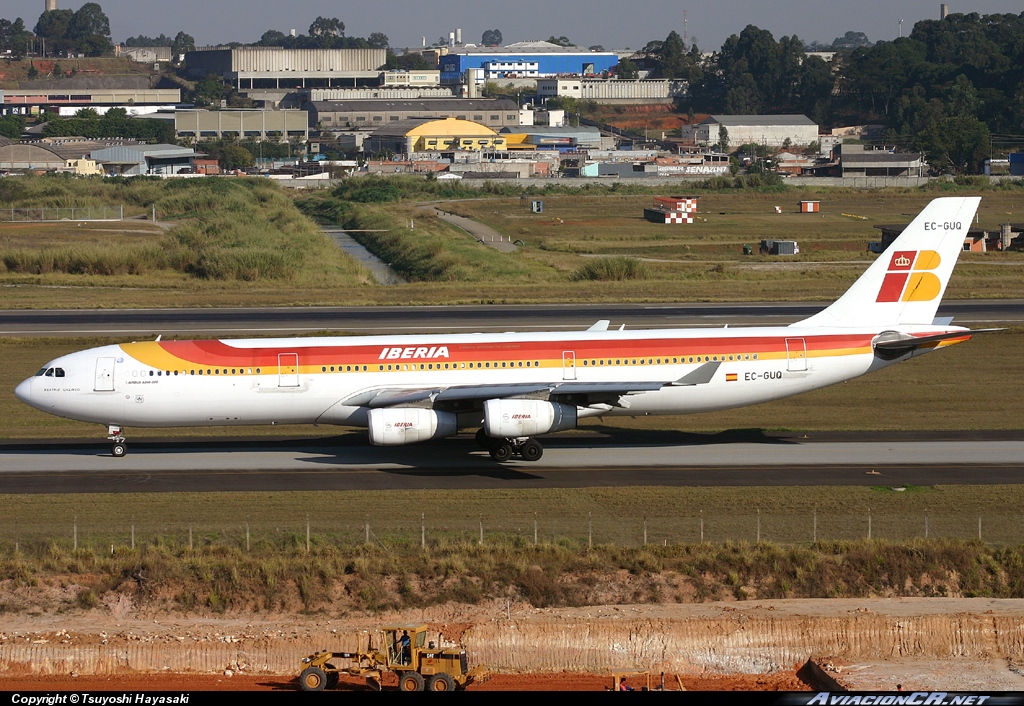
769	130
276	68
369	114
144	159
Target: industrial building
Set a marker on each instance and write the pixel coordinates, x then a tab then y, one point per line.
32	101
275	68
144	159
524	60
768	130
534	136
261	124
612	90
429	135
371	114
855	161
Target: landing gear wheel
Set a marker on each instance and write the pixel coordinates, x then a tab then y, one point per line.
313	679
502	451
119	449
441	682
410	681
531	450
482	440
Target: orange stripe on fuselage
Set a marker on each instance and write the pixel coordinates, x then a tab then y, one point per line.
172	355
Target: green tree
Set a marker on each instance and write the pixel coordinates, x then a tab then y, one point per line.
14	37
182	43
491	38
723	138
53	27
851	40
233	157
12	126
562	41
378	40
325	30
627	69
957	144
89	30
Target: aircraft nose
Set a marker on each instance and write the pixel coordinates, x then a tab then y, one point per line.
24	391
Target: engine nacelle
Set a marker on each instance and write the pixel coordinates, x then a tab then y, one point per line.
515	418
397	426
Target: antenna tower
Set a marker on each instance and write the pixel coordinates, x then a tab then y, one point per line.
686	31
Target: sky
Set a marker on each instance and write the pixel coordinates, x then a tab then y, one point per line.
613	24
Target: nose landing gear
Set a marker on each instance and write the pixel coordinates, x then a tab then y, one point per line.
119	447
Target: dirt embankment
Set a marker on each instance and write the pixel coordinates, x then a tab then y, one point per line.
762	637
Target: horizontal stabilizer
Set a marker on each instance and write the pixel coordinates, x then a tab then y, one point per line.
893	341
700	376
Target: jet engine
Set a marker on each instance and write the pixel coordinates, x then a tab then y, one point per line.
515	418
395	426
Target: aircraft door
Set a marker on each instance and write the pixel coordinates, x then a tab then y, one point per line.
796	352
568	365
287	369
104	375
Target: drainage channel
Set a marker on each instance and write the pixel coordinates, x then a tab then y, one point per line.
378	268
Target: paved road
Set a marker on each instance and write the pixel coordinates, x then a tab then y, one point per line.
347	463
288	321
485	234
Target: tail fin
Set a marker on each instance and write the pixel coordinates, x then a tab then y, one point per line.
906	283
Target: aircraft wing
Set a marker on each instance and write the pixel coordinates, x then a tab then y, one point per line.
572	391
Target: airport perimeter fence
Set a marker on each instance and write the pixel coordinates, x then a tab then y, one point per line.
50	215
301	533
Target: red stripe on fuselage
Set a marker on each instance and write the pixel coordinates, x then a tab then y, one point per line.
218	353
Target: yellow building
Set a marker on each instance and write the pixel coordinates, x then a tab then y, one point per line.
429	135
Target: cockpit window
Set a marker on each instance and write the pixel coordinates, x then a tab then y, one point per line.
49	372
41	372
58	372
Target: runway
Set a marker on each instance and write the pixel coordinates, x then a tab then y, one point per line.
346	463
289	321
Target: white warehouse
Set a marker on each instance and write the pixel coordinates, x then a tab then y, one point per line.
770	130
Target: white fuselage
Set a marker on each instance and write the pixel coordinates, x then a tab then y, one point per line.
329	380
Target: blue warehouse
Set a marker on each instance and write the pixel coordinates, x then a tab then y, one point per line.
525	60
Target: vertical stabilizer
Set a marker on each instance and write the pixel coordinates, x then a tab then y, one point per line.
906	283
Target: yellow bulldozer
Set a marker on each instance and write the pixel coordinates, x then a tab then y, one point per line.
402	649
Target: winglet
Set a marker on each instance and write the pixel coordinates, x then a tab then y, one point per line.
601	325
700	376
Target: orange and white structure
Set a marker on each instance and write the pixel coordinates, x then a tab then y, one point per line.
516	386
810	206
672	209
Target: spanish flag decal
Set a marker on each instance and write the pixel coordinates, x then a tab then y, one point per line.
730	377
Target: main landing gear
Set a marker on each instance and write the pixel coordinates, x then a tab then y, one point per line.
504	449
119	447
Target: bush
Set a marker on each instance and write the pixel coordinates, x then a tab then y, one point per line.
612	269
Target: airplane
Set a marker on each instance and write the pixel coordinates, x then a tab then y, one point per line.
517	386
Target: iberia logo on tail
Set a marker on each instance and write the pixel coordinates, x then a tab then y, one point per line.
908	279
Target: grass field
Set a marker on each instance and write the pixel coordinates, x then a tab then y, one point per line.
698	262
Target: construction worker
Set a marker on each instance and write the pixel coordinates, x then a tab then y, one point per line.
405	646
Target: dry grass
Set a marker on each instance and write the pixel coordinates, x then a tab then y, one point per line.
215	552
